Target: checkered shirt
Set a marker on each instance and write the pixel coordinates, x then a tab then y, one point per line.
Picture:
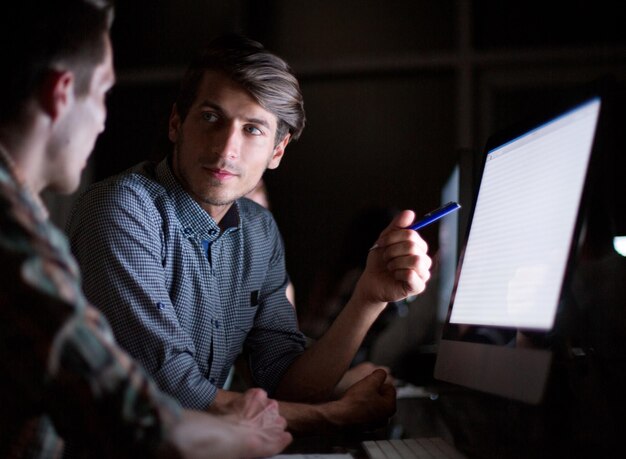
183	297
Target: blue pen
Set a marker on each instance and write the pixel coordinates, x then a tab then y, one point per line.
435	215
431	217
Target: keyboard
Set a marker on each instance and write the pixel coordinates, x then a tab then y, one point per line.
411	448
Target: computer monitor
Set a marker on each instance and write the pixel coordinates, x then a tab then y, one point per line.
522	235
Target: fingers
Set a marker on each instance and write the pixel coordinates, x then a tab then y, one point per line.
270	427
266	443
402	220
405	256
355	374
261	411
254	401
397	231
386	390
378	376
271	418
370	382
402	238
201	435
403	253
389	379
369	367
369	400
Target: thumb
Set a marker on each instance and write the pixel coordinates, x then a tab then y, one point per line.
378	376
401	220
385	390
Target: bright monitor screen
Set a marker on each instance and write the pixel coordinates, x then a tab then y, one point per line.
523	224
510	276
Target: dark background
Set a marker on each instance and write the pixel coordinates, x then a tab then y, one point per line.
393	90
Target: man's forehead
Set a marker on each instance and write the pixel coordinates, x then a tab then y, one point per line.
220	91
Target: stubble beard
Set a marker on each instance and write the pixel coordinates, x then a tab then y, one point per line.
203	193
200	195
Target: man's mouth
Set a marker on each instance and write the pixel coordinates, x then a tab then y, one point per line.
221	174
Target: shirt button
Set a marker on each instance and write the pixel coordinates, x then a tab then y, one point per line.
212	380
188	230
160	305
212	231
217	324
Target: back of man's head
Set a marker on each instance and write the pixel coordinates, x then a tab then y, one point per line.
37	36
267	77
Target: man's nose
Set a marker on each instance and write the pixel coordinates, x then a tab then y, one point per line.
229	144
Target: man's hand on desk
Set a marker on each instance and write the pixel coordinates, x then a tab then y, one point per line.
358	372
253	408
368	403
254	429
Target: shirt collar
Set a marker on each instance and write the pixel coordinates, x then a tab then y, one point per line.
194	219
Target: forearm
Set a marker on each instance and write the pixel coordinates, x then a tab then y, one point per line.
369	402
300	417
306	418
314	375
223	401
397	268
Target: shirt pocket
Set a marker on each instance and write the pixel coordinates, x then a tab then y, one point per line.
248	306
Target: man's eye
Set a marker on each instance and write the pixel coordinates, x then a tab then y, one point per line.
210	117
254	130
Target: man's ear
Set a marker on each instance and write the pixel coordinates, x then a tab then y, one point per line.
279	152
57	92
174	124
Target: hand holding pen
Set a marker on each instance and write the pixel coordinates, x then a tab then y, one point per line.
400	266
431	217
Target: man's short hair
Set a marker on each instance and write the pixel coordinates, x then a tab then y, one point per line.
37	36
267	77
